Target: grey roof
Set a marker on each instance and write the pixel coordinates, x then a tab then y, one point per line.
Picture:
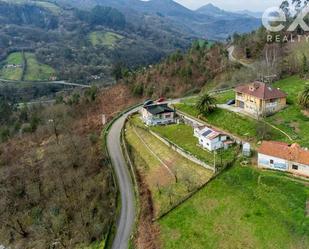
158	109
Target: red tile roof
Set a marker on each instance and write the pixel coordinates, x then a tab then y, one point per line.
261	91
293	153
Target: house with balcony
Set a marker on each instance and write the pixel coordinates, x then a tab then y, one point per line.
157	114
260	99
284	157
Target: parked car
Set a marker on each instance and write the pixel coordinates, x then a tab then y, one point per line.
148	102
160	100
231	102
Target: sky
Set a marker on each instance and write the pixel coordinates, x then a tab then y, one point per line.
253	5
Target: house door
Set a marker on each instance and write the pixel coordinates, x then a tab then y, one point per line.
241	104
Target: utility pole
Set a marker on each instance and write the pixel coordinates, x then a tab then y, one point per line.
215	160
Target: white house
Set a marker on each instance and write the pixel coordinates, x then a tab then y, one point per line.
284	157
211	139
158	114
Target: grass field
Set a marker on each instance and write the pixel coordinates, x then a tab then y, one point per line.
221	98
231	122
242	208
37	71
182	135
108	39
12	73
292	120
161	167
224	97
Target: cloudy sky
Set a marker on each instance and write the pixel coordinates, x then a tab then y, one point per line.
253	5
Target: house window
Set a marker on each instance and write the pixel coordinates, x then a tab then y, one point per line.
168	116
295	167
271	161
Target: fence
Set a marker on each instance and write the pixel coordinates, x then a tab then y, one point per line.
183	152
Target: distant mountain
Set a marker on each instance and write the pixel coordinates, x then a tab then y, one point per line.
85	44
201	23
250	13
214	11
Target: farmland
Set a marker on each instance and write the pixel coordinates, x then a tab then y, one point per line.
169	176
36	71
13	73
242	208
26	67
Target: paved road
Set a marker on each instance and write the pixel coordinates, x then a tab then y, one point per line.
126	220
60	82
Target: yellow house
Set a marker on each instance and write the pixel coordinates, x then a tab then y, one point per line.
259	98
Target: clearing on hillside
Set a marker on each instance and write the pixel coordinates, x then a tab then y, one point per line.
108	39
36	71
241	208
12	68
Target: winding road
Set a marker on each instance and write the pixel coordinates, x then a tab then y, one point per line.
233	59
60	82
126	219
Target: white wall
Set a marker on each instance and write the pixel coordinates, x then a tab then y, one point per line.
278	164
282	164
302	169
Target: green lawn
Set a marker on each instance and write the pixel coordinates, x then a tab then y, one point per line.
242	208
165	190
37	71
292	120
182	135
231	122
223	98
108	39
12	73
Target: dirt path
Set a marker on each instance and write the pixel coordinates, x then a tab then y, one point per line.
233	59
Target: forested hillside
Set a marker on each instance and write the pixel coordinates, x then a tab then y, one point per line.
63	39
182	73
56	184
